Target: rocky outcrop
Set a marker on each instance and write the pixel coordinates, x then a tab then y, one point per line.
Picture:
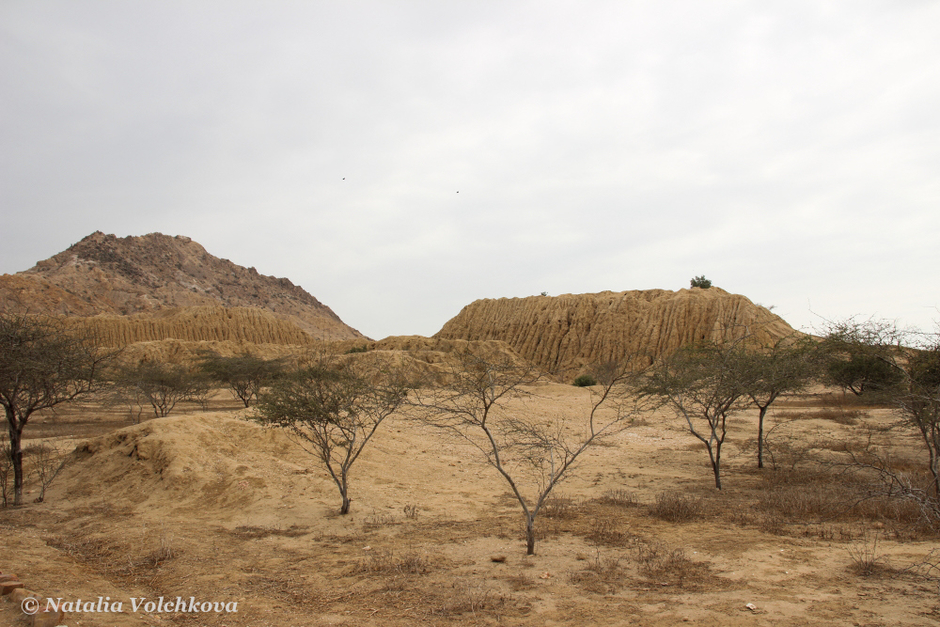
140	275
567	334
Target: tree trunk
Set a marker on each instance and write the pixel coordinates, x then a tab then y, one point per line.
16	457
529	535
343	484
715	456
760	436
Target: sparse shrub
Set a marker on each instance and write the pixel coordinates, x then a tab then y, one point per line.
865	558
619	497
469	598
675	507
603	575
666	565
700	281
385	562
605	531
47	464
363	348
559	507
585	380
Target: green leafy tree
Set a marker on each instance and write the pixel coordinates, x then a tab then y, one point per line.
700	281
43	363
332	409
245	374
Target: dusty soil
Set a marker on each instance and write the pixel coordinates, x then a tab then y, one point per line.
211	506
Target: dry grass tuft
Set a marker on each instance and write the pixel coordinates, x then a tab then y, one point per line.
668	566
676	507
619	497
468	598
865	558
601	575
560	507
250	532
387	563
606	532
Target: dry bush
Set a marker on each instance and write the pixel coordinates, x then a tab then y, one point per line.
602	575
846	491
675	507
865	558
561	507
619	497
468	598
387	563
606	532
379	519
668	566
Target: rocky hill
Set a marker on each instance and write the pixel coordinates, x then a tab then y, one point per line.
104	274
566	334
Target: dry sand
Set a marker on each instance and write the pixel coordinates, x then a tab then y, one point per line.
210	505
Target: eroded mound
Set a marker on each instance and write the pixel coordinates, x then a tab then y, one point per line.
566	334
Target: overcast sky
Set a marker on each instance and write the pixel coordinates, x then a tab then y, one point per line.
400	160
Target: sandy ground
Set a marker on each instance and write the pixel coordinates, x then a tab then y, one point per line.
211	506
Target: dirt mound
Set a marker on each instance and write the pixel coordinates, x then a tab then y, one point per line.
566	334
207	461
132	275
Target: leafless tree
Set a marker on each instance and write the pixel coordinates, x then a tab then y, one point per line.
332	407
43	363
483	405
47	464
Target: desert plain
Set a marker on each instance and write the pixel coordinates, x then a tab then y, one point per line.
210	505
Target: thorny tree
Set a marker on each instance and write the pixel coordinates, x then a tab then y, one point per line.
244	374
483	405
160	385
43	363
332	408
768	372
703	383
912	384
